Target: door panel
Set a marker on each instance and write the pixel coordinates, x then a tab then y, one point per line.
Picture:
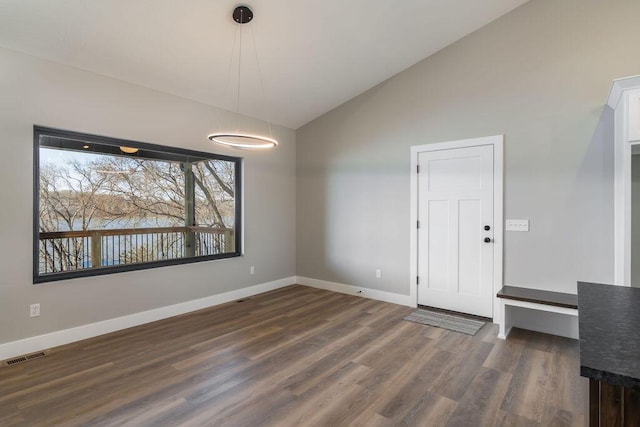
470	233
439	244
455	202
454	174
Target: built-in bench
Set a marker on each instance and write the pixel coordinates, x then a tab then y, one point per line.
535	299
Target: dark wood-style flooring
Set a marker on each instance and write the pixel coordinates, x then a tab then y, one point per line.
299	356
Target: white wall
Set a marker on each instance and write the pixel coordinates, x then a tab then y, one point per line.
540	75
34	91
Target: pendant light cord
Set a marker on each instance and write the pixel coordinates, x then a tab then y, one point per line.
264	93
239	68
226	90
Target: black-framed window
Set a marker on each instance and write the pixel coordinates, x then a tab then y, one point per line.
105	205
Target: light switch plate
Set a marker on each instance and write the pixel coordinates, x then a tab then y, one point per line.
517	225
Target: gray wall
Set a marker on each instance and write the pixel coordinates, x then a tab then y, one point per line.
540	75
34	91
635	220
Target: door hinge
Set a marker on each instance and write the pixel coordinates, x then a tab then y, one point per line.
417	280
417	168
417	224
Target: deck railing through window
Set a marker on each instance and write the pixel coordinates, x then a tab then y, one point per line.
76	250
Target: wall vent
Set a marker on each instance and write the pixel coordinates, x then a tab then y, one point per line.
22	359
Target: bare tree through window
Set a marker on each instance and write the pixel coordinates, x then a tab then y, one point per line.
100	207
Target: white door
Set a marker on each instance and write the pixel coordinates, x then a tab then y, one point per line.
455	234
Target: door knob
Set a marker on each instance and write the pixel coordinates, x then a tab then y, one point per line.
487	240
487	228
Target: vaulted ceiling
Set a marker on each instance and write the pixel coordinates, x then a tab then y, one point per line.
313	54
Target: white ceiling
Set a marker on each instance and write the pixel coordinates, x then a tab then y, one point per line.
314	54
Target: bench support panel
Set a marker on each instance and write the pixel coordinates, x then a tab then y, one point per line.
504	324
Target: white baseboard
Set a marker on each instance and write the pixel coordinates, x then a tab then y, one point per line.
355	290
66	336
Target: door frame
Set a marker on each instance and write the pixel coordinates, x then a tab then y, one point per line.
623	97
497	141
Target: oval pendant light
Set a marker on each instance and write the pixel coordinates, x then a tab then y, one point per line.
238	139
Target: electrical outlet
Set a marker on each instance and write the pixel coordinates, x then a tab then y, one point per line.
252	270
34	310
378	273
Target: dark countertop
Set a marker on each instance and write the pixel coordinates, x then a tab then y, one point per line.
609	321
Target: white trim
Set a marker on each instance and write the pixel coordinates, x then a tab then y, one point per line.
618	87
498	225
355	290
619	194
541	307
66	336
498	214
621	91
633	123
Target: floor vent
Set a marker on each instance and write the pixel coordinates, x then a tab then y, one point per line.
23	359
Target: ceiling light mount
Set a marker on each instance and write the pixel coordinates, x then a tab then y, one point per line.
242	15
